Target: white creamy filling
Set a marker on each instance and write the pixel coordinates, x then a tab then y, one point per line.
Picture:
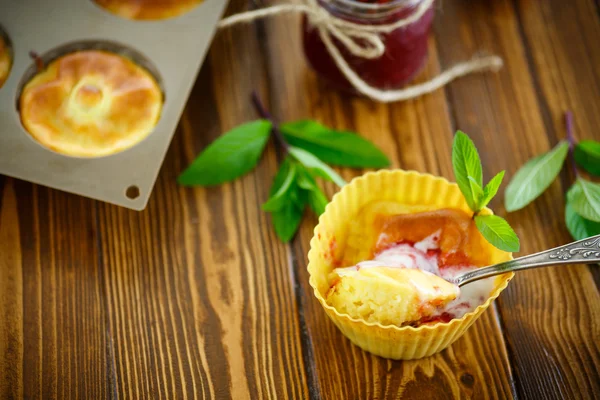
471	296
406	256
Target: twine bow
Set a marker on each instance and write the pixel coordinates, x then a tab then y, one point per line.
365	41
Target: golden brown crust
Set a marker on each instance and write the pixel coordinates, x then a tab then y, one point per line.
5	61
148	9
90	104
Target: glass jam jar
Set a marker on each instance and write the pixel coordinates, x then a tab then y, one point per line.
405	48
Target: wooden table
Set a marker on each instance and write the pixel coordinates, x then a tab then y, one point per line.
196	298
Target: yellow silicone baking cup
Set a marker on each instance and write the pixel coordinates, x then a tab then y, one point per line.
339	241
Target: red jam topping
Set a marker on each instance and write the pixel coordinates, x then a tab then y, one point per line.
442	242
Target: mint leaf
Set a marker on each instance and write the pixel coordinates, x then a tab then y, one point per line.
477	193
498	232
317	201
491	189
305	180
339	148
533	178
466	163
584	197
287	220
232	155
316	166
282	173
316	198
587	155
579	227
293	193
283	193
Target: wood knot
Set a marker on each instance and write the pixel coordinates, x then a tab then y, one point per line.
467	379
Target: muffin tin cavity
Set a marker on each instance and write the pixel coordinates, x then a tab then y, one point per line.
5	56
148	10
90	99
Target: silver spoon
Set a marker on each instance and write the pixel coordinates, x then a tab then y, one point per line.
586	251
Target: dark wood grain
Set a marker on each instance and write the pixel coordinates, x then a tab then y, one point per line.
11	297
551	317
53	341
196	298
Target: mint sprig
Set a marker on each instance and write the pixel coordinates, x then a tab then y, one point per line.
308	147
582	209
469	177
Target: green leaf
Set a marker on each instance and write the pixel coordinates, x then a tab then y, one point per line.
491	189
533	178
282	194
287	220
316	198
317	201
477	192
281	175
339	148
584	197
587	155
466	162
232	155
316	166
305	180
579	227
498	232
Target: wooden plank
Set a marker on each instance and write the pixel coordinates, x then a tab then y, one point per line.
416	135
52	320
564	65
11	296
199	296
551	317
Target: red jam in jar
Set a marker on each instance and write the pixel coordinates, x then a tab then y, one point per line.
405	48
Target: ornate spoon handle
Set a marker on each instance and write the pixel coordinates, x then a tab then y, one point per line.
586	251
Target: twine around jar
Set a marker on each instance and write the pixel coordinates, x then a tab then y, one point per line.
364	41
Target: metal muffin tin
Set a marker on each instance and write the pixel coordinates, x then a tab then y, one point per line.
171	49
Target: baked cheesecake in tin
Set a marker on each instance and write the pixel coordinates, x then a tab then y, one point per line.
91	103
